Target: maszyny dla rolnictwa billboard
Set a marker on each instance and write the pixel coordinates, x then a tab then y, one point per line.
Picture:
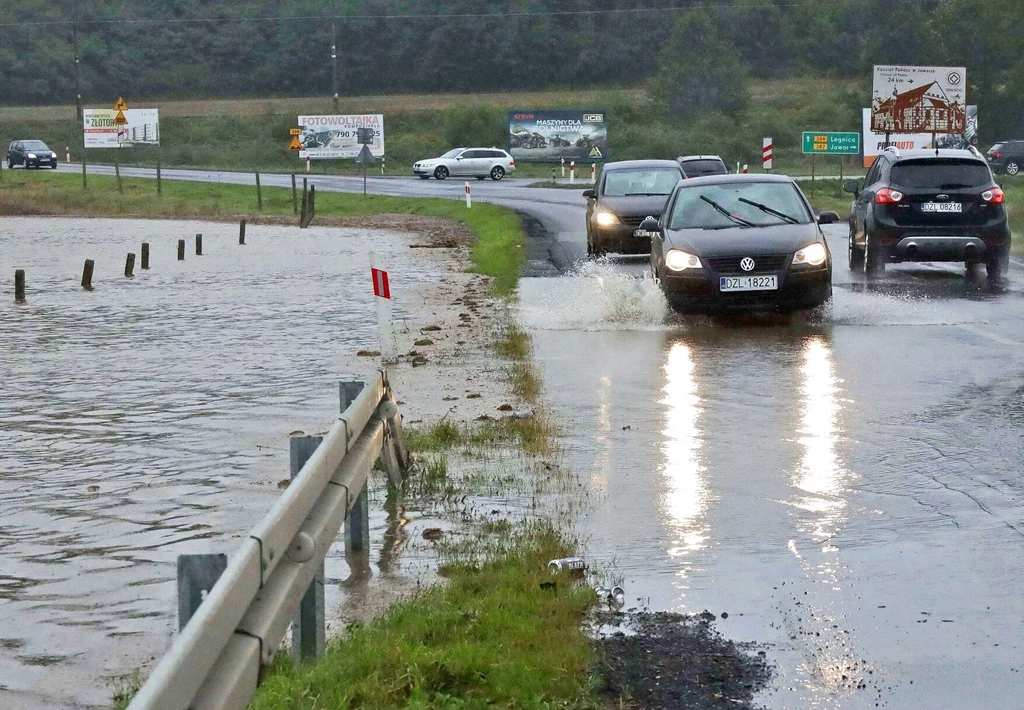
337	136
100	131
553	136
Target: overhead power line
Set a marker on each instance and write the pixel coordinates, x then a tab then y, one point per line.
440	15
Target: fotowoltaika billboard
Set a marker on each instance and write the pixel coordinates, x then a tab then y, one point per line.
553	136
336	136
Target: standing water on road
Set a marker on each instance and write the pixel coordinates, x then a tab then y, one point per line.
149	418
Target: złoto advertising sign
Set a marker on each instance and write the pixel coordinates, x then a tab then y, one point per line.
553	136
919	100
101	128
874	143
831	143
338	136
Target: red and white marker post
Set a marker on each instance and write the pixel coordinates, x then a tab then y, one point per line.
385	310
563	167
469	197
572	172
67	153
767	150
745	171
307	163
593	173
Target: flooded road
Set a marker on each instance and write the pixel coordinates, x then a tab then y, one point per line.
149	418
846	491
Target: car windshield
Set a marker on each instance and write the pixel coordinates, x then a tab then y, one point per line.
650	181
942	174
693	211
696	168
454	153
35	145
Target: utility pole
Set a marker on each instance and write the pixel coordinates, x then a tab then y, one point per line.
78	71
334	52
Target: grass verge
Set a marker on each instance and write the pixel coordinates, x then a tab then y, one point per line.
496	252
498	634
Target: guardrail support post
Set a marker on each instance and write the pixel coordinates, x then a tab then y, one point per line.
357	524
196	576
309	630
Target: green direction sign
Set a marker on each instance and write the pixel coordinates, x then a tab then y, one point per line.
827	143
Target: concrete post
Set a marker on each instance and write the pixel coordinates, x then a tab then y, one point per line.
309	629
196	576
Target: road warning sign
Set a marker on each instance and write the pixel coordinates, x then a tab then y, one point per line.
120	105
295	145
120	119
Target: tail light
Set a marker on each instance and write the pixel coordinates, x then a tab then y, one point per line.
994	196
888	196
511	163
997	155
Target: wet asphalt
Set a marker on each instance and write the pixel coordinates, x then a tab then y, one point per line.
844	490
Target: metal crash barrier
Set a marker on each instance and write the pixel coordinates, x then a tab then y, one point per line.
275	579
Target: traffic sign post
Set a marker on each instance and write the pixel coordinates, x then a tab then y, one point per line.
364	159
830	143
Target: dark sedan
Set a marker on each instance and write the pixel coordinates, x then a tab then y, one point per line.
31	154
626	193
741	242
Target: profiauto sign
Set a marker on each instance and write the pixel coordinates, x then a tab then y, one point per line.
919	99
338	136
553	136
99	129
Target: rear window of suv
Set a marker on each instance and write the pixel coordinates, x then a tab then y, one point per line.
697	168
946	173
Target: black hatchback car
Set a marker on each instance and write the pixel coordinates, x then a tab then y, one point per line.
700	165
626	193
1006	157
31	154
928	205
741	242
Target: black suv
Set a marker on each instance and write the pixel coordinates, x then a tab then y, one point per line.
928	205
1006	157
30	154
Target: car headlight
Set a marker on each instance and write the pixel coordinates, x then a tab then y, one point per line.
813	254
32	155
679	260
606	219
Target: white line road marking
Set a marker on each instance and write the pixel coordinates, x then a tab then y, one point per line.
991	336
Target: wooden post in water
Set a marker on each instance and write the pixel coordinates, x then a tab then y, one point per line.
145	255
129	266
159	186
241	232
87	274
19	286
295	196
199	245
181	250
259	194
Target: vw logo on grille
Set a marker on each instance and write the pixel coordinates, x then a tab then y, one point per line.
747	264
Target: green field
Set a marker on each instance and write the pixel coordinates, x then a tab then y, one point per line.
253	134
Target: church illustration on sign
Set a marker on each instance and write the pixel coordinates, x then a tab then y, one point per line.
925	109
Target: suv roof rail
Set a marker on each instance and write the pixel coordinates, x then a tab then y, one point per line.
974	151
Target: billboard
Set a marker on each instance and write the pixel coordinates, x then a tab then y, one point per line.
919	99
875	142
336	136
553	136
100	131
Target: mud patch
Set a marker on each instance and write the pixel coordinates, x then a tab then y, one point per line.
663	661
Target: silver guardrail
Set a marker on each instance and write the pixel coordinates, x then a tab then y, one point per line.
275	578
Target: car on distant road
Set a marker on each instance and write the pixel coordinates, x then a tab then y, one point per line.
700	165
31	154
928	205
480	163
740	242
1006	157
626	192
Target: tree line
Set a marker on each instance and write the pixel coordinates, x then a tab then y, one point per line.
695	55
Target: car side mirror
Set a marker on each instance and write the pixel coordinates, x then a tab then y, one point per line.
852	186
459	158
590	194
828	217
650	224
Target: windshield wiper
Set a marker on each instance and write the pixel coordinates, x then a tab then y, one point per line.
727	213
771	211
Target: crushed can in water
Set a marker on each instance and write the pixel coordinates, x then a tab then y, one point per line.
575	566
